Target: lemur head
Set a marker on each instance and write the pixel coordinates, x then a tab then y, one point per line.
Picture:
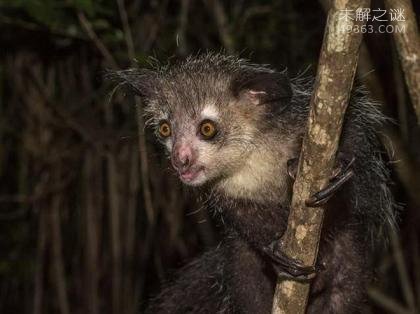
211	112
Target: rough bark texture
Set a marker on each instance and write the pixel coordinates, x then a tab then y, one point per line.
333	84
406	35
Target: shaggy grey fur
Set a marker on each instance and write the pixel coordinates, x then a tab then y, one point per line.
261	117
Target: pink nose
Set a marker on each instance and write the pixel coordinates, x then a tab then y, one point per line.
182	157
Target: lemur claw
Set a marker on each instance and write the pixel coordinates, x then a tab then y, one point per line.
286	267
341	174
292	165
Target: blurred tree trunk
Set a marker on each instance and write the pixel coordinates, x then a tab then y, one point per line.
407	39
92	223
336	70
57	253
40	262
115	232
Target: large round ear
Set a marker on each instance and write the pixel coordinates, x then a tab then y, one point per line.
141	82
263	87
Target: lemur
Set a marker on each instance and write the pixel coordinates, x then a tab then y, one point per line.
234	129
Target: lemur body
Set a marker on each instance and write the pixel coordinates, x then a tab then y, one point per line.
231	127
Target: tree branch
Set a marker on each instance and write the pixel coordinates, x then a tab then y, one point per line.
87	26
144	165
407	39
223	26
336	70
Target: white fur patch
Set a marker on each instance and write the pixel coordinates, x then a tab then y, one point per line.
262	177
210	112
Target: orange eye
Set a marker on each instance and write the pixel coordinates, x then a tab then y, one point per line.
165	129
208	129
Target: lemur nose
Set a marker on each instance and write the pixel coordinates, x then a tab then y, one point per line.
182	157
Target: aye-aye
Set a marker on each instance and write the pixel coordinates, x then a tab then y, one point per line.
235	129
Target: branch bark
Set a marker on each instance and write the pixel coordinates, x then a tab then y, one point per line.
223	25
407	40
336	70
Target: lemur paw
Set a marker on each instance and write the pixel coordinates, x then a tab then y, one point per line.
286	267
292	167
342	172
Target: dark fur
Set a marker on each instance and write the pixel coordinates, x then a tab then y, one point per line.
236	277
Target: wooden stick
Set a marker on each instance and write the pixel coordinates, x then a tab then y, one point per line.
336	70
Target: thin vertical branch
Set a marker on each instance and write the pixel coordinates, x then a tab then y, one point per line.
57	257
144	165
406	286
127	30
114	223
401	96
40	262
147	194
114	214
223	25
130	226
407	171
407	39
336	70
92	234
182	28
87	26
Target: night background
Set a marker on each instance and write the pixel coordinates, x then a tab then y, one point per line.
90	223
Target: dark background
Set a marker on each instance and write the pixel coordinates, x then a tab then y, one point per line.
86	225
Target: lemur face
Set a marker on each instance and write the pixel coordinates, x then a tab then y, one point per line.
210	142
214	115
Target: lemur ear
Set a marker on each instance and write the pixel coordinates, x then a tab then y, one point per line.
263	87
141	82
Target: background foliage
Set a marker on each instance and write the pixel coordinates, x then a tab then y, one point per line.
86	224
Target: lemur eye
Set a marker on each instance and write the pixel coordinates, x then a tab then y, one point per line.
164	129
208	129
